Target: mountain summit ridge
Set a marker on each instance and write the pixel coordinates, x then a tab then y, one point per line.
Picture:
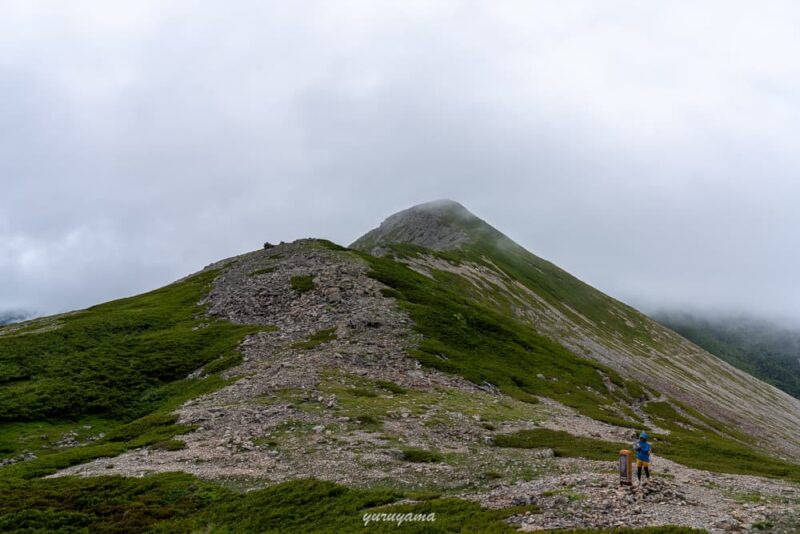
437	225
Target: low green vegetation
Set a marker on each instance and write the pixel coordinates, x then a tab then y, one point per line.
568	492
17	438
330	245
168	445
421	455
693	448
159	426
719	450
146	431
101	504
562	443
316	339
178	503
302	283
391	386
109	376
115	360
362	392
259	272
463	335
370	423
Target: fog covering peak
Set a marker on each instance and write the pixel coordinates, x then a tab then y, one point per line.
438	225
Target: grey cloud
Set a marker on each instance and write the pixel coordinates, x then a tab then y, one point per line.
649	152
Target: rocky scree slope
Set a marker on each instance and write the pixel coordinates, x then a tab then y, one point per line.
328	391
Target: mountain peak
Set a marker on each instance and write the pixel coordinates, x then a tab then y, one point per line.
438	225
441	206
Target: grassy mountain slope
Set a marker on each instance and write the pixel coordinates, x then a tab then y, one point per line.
501	274
109	375
173	503
466	336
765	350
114	360
463	335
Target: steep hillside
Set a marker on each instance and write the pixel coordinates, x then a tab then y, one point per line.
584	320
766	350
436	367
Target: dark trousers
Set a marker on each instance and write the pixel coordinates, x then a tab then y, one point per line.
639	472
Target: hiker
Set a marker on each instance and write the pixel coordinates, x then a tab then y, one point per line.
642	449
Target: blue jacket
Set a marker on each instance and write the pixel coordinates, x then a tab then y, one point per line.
642	449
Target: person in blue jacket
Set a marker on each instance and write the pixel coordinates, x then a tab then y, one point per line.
642	449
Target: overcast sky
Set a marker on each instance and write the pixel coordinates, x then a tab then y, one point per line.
649	148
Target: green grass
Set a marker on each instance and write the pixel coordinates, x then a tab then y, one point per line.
713	453
569	493
118	368
316	339
731	452
562	443
168	445
177	503
157	427
102	504
370	423
258	272
362	392
700	450
464	336
391	386
421	455
113	360
17	438
330	245
302	283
